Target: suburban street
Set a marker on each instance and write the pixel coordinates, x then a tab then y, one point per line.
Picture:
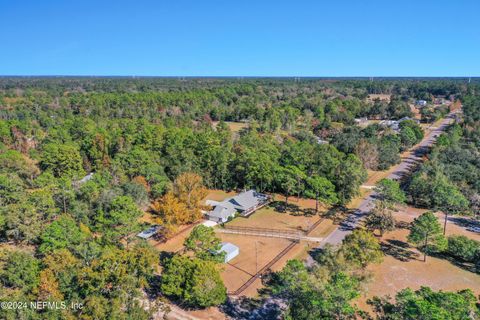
404	167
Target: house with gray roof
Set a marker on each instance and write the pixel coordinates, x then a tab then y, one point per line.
395	124
244	203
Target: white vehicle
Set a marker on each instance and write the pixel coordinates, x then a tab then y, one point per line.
474	229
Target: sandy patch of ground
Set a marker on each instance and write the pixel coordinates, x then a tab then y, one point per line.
208	314
235	127
404	267
383	97
219	195
268	217
255	253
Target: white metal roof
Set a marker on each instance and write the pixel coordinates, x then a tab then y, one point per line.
228	247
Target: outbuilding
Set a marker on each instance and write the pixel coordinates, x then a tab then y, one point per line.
231	251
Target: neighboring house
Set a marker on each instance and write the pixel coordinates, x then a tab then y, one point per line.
395	124
361	121
231	251
244	203
85	179
421	103
392	124
88	177
439	101
321	141
148	233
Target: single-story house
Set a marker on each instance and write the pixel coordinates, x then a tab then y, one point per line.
360	121
392	124
148	233
321	141
231	251
421	103
395	124
85	179
244	203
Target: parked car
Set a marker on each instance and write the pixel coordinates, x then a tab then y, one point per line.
150	232
474	229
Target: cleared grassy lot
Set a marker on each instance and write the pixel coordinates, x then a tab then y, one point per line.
403	265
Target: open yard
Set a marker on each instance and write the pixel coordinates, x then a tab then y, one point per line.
383	97
268	217
401	268
235	127
403	265
174	244
256	252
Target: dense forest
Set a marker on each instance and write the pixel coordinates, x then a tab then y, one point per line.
81	159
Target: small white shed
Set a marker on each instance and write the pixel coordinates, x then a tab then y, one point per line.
231	251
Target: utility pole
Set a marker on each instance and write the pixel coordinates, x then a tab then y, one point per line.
445	224
256	257
425	248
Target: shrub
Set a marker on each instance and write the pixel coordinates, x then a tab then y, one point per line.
463	248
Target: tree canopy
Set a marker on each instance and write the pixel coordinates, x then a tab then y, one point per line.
426	233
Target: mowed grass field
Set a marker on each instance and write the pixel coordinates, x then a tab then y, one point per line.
403	265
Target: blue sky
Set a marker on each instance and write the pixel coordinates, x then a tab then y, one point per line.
240	38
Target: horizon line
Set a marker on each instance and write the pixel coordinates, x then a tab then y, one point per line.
233	76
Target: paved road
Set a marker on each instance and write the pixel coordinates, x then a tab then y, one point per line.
403	168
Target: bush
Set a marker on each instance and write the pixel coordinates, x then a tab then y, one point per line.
195	282
463	248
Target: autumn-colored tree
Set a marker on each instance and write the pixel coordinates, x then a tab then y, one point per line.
170	212
189	189
142	181
48	288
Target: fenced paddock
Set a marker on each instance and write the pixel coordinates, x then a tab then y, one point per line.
265	269
269	233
